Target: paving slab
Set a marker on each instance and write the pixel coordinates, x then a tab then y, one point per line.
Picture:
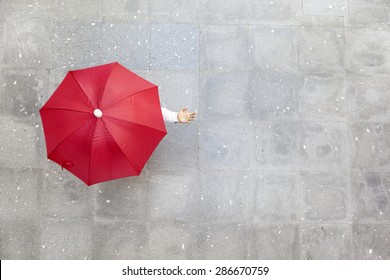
274	197
174	47
174	11
370	196
274	242
369	146
324	98
368	98
212	240
288	157
74	242
224	196
126	43
20	239
274	146
367	51
325	196
325	8
326	242
368	13
214	56
370	242
119	240
321	50
323	146
126	11
179	241
224	145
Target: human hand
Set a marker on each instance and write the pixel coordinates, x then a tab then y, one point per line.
185	117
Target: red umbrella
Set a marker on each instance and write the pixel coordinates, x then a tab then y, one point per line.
103	123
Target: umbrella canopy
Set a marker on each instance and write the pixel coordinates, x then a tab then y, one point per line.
103	123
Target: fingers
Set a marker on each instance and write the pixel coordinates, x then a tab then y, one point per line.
188	117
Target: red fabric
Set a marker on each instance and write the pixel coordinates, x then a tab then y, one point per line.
120	142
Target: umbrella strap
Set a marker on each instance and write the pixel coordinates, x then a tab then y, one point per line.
66	164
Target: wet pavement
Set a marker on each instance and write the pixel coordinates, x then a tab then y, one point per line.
289	157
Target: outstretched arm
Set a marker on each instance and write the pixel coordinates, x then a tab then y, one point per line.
182	117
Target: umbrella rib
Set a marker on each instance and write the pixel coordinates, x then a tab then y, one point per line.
63	109
90	101
90	155
68	137
100	97
134	123
116	143
112	105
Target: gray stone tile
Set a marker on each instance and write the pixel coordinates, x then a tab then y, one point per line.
224	145
23	9
371	242
281	12
370	193
326	242
127	43
273	47
119	241
76	45
174	47
126	11
368	13
19	239
122	199
20	189
214	55
275	242
21	143
325	8
323	146
2	39
27	44
23	92
224	95
275	197
274	94
321	50
177	89
179	241
222	241
178	187
174	11
73	243
55	78
370	146
63	195
325	196
321	21
368	98
275	146
324	98
224	196
179	150
367	51
78	11
220	11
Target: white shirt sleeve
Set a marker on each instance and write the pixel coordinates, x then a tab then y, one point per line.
168	115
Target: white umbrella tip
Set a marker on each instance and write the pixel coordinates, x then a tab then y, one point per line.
98	113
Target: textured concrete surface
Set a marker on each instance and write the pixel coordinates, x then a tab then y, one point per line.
289	157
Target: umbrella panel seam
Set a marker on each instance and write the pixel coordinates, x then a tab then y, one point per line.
90	101
138	92
116	143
